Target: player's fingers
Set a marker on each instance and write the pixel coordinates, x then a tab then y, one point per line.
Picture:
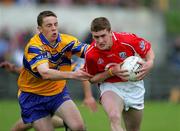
140	62
123	70
91	104
92	107
125	74
3	64
87	74
140	76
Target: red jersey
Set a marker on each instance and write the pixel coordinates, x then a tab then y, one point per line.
124	45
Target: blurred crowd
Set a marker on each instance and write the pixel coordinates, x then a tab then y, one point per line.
174	54
12	44
124	3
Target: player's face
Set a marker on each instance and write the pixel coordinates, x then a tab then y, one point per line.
103	39
49	28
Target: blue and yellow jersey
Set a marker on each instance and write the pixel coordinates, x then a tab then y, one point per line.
58	56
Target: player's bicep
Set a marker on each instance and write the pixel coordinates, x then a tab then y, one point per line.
35	56
42	68
141	45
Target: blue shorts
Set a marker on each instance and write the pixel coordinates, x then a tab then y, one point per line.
34	107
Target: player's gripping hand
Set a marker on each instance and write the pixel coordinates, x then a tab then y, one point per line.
144	70
121	73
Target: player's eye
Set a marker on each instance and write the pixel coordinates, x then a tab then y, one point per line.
56	24
96	37
103	35
49	25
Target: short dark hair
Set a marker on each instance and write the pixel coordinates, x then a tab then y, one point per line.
44	14
100	23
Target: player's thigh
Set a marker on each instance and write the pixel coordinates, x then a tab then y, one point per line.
133	119
43	124
57	121
69	112
112	102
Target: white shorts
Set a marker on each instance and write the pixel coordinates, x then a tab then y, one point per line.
132	93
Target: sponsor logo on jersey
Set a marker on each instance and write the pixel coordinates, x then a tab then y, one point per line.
100	61
142	45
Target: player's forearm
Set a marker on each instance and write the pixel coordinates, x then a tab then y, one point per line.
17	69
87	89
150	57
14	69
51	74
100	77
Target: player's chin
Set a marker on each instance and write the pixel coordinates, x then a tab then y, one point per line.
103	48
53	38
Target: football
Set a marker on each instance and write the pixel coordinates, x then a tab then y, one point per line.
131	64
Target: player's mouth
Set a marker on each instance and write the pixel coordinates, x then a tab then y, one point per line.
54	35
102	45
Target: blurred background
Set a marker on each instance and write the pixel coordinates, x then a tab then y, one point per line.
158	21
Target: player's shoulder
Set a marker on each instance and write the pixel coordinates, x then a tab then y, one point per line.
34	41
67	37
123	34
91	51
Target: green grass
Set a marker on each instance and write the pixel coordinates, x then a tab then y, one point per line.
158	116
161	116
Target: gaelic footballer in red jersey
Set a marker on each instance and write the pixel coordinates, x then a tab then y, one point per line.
103	59
123	46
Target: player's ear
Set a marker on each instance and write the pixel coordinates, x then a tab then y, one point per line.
110	32
39	28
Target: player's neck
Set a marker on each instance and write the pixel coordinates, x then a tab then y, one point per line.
52	43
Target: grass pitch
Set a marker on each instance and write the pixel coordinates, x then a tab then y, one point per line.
158	116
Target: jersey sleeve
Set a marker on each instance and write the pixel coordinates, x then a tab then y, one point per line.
140	45
79	48
34	56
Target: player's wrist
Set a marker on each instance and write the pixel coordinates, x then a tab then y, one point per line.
110	72
91	80
13	68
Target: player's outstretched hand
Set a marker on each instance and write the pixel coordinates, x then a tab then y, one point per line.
82	75
10	67
7	65
90	102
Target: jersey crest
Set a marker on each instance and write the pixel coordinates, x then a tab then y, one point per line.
122	55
